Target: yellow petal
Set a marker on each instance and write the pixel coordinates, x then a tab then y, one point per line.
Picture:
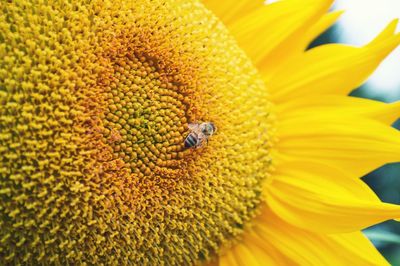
359	246
294	45
318	28
387	33
300	247
246	253
347	106
330	69
323	199
260	32
228	259
352	143
231	10
275	242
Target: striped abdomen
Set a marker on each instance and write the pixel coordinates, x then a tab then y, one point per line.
191	140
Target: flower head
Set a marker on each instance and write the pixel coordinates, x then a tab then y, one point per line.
98	97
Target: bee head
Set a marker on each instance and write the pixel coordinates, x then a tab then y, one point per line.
213	127
209	129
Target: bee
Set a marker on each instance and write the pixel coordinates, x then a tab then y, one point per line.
199	133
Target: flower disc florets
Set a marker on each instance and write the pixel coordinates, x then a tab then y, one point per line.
98	96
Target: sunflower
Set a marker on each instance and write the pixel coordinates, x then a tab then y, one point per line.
96	101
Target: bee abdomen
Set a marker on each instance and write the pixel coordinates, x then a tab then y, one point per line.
191	140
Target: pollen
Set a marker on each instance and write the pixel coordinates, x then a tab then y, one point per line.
96	100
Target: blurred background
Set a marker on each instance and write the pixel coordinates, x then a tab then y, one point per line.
362	20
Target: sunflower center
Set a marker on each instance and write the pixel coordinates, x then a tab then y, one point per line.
146	115
186	203
101	175
182	204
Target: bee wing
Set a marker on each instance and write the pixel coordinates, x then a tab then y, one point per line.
202	139
193	126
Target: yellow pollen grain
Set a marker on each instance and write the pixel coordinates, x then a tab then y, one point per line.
96	99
